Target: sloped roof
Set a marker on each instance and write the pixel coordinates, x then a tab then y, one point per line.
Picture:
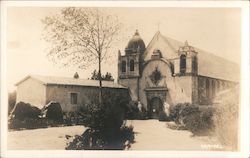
52	80
209	64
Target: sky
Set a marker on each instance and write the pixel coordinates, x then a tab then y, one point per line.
216	30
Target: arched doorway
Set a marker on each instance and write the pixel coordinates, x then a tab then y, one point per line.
156	107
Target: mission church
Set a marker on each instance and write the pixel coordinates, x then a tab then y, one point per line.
169	72
165	72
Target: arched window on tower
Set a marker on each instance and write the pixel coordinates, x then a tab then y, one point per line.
182	64
123	66
132	65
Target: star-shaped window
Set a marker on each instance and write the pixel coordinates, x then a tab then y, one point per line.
156	76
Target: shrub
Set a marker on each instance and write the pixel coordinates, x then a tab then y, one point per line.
163	116
175	111
53	111
74	118
133	112
110	139
194	118
25	110
142	115
30	123
27	116
198	121
187	112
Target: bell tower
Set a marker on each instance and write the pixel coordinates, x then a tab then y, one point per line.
130	65
187	62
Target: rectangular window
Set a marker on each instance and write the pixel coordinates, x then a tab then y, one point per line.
73	98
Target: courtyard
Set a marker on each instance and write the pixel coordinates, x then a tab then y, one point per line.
149	135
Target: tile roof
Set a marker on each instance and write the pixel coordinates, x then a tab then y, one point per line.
52	80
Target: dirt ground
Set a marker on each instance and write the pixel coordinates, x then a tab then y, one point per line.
154	135
53	138
150	135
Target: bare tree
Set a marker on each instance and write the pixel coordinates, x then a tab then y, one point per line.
80	36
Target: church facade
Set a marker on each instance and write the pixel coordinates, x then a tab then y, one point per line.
167	71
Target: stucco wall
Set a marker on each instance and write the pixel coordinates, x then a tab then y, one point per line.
179	89
32	91
61	94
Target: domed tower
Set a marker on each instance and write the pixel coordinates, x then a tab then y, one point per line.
135	44
130	64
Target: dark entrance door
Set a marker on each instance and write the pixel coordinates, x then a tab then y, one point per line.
156	107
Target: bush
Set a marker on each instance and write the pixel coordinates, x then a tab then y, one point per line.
188	113
175	111
74	118
25	110
194	118
133	112
163	116
198	121
53	111
110	139
31	123
27	116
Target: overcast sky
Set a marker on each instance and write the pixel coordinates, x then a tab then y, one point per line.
216	30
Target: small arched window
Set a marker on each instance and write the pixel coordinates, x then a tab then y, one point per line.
132	65
123	66
182	63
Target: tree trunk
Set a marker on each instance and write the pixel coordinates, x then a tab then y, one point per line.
100	81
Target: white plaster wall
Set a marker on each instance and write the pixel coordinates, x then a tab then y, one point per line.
179	88
61	94
32	91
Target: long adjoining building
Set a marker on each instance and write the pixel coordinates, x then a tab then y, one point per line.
69	92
